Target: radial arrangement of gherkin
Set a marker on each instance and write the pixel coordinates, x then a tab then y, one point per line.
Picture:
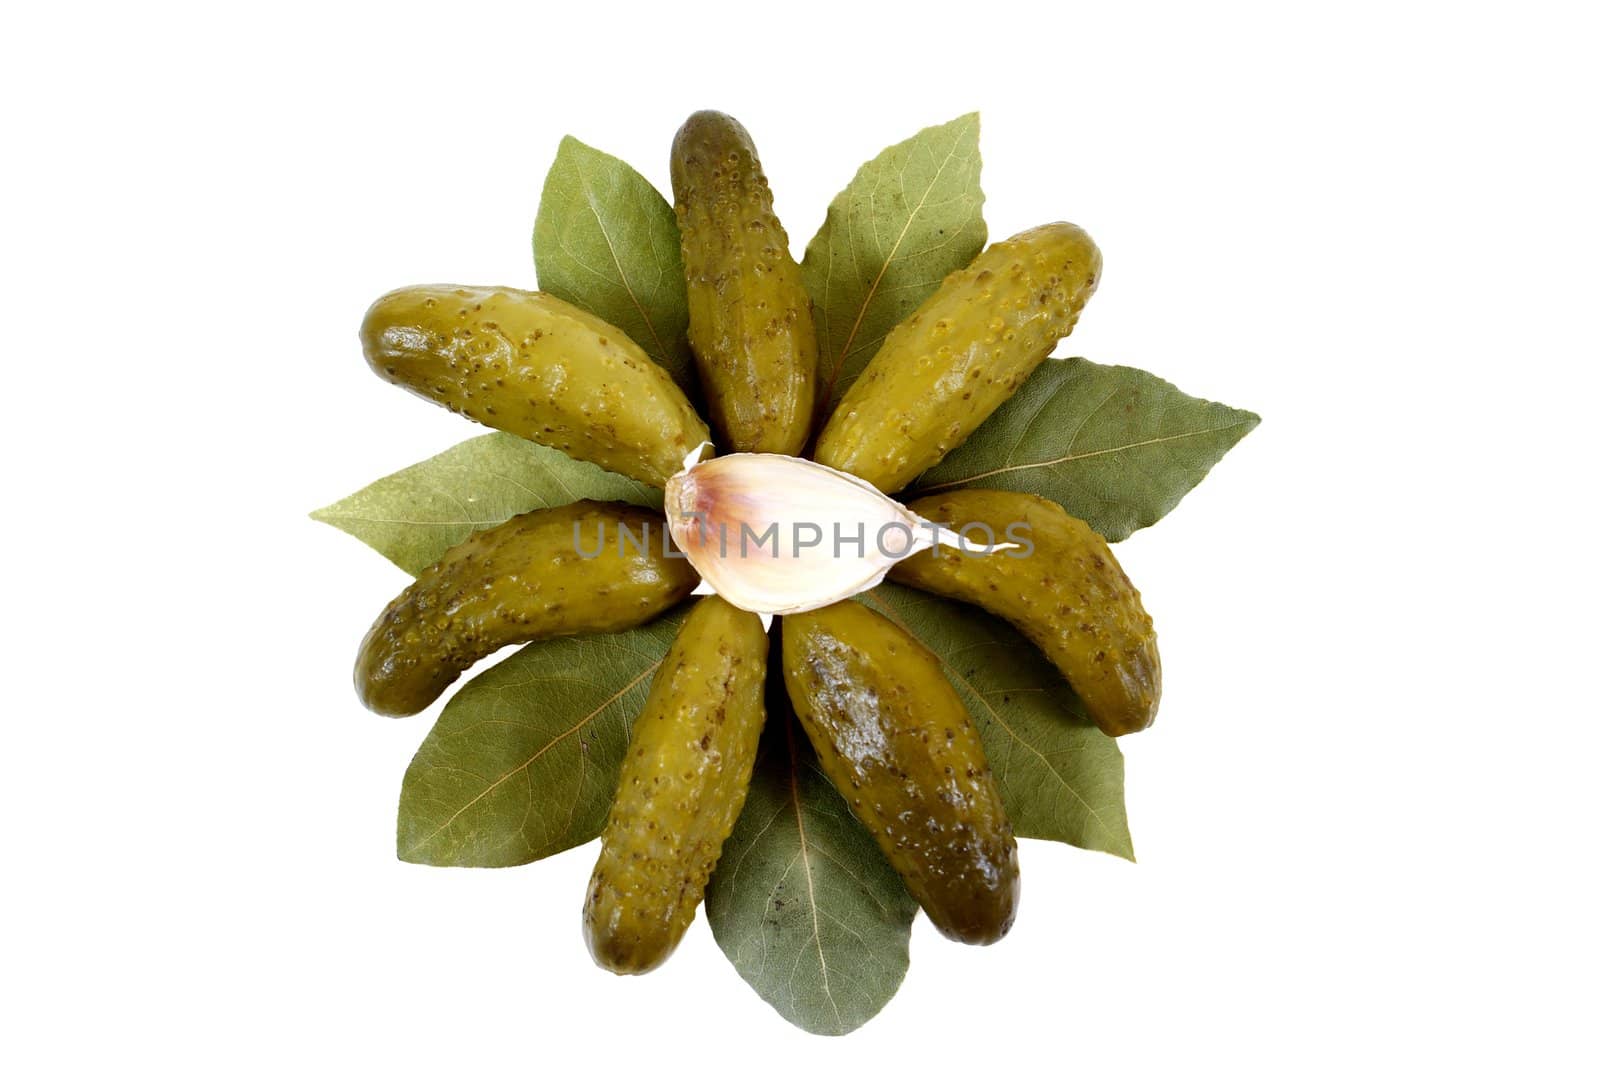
889	726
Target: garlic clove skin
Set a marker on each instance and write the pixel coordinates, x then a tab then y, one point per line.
775	534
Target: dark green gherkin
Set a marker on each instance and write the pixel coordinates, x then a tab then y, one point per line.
586	567
894	738
749	315
530	364
1063	589
680	788
962	353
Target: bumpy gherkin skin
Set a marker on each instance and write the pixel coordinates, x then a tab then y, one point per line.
749	316
552	572
964	351
682	785
892	735
533	365
1069	596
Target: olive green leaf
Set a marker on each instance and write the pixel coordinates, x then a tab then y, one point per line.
606	241
1059	776
413	516
911	216
522	762
1116	446
802	902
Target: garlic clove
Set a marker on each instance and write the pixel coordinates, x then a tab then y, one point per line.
775	534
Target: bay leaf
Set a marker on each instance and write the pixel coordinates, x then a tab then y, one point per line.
802	902
910	216
413	516
1115	446
523	761
1060	778
606	241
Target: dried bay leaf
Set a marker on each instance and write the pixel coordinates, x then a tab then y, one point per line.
1117	447
607	241
911	215
413	516
523	761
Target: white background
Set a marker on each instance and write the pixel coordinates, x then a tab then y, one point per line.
1366	819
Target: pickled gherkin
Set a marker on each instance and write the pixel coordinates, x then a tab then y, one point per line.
749	316
680	788
1063	589
581	568
894	738
963	352
533	365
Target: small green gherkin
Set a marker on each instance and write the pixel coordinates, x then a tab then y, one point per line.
896	741
680	788
1062	588
963	352
749	316
581	568
533	365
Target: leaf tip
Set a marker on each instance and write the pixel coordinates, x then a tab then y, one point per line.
408	849
961	124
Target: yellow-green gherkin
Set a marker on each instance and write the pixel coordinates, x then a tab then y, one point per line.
680	790
533	365
1062	588
894	738
961	354
749	316
585	567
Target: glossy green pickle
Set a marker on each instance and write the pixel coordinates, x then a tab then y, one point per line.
749	315
1069	596
552	572
894	738
680	788
533	365
961	354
